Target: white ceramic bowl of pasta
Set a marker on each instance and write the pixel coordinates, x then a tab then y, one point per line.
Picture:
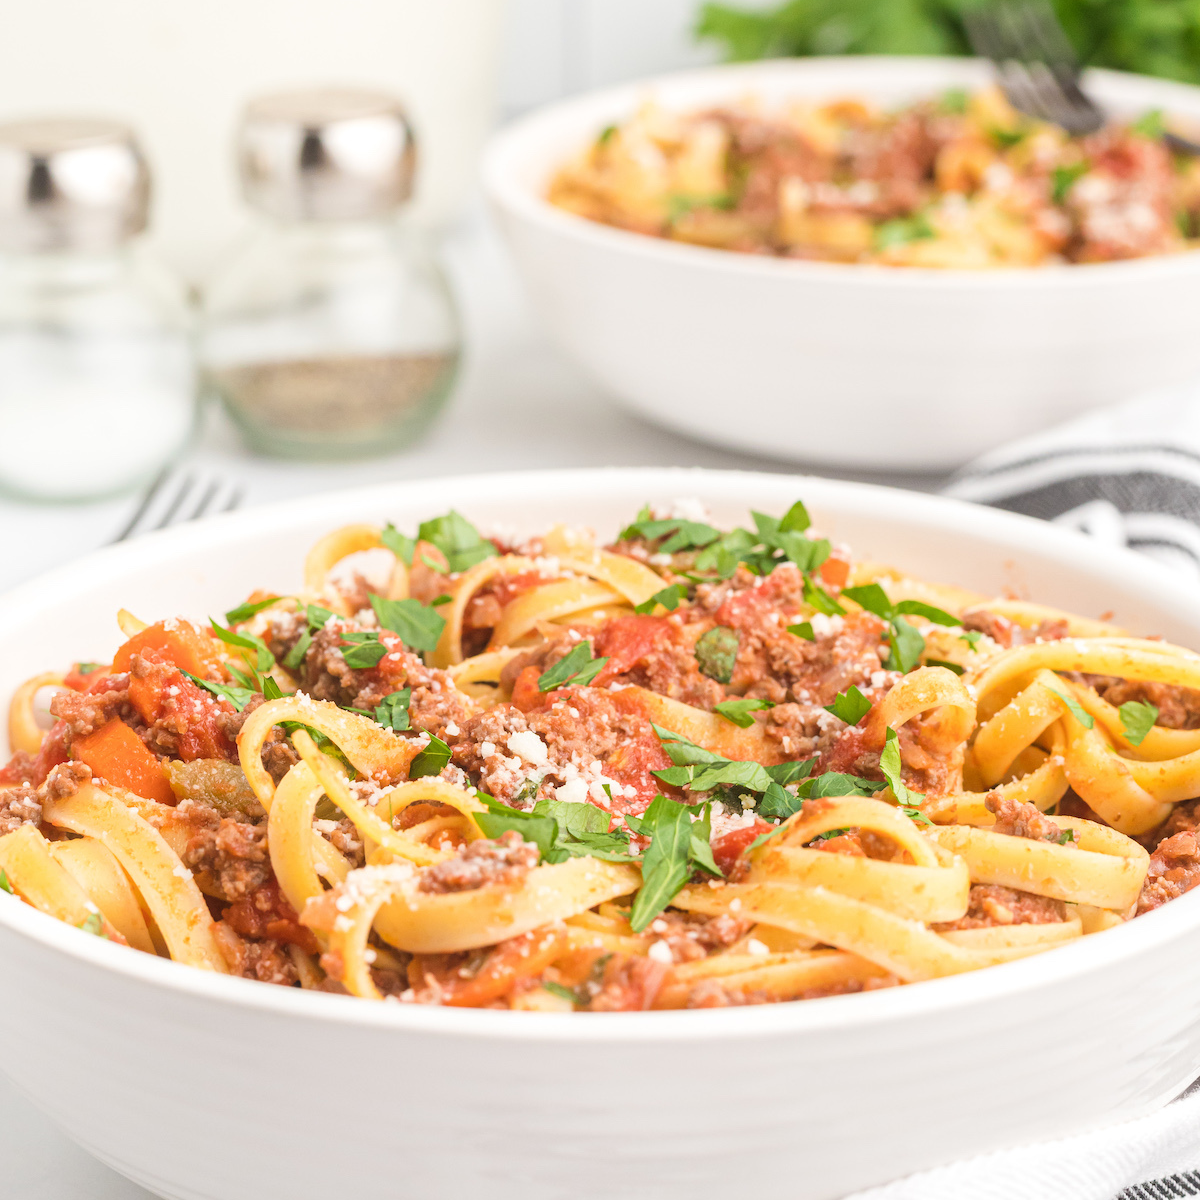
204	1087
826	362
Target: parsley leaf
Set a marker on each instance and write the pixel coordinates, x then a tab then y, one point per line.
93	923
560	829
541	831
821	600
244	612
1150	124
669	598
264	660
295	656
836	783
1077	711
88	668
906	643
678	534
738	711
901	230
1137	719
392	711
431	760
4	883
577	668
400	544
559	990
365	651
239	697
1062	178
417	626
716	653
890	765
945	662
438	601
458	540
850	706
778	802
971	637
803	630
271	690
669	859
1067	835
319	617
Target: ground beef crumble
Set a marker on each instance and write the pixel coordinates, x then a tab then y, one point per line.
1174	869
991	904
1022	820
230	855
507	861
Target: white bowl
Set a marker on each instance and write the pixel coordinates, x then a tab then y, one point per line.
203	1087
825	362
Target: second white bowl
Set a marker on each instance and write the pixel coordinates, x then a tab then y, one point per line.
825	362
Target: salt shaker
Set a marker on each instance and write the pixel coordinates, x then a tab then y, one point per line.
331	332
97	377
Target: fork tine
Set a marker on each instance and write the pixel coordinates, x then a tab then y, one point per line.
206	499
173	507
143	505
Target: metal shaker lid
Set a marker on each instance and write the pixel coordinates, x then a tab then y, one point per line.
69	184
327	154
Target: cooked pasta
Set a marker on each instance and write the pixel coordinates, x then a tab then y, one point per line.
961	181
688	768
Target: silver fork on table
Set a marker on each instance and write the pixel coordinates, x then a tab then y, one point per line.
1037	67
177	495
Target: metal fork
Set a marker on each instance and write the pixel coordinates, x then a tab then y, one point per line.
1037	67
179	495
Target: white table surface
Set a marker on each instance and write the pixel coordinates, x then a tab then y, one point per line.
519	404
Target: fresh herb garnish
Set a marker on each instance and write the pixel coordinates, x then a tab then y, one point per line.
1137	719
244	612
850	706
400	544
677	533
577	668
4	883
365	650
438	601
1077	711
560	829
295	656
392	710
679	844
1067	835
458	540
271	690
971	637
953	101
901	230
1005	138
680	204
669	598
945	662
239	697
93	923
716	653
264	660
738	711
561	991
890	765
417	626
803	630
1150	124
907	644
431	760
88	668
1061	179
606	135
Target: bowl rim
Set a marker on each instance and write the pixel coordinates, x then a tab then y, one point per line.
509	145
1087	956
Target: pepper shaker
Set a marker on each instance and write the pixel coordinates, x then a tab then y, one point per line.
331	332
97	379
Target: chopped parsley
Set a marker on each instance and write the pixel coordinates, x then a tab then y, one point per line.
4	883
678	533
1005	138
577	668
239	697
271	690
559	829
319	617
679	844
1137	719
890	765
264	660
88	668
559	990
953	101
244	612
430	761
738	710
417	626
295	656
1077	711
716	653
606	135
93	923
392	711
907	644
1150	124
680	204
803	630
901	230
670	598
438	601
850	706
1062	179
458	540
364	652
971	637
1067	835
400	544
945	662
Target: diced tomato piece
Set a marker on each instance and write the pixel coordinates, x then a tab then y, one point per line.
84	681
627	641
266	913
116	753
835	570
729	847
183	644
525	694
164	694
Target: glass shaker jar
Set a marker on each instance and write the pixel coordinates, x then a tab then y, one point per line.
331	332
97	378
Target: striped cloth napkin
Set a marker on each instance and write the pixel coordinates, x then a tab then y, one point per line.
1129	475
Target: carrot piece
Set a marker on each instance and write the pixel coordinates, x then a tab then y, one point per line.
183	644
525	694
116	753
835	571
